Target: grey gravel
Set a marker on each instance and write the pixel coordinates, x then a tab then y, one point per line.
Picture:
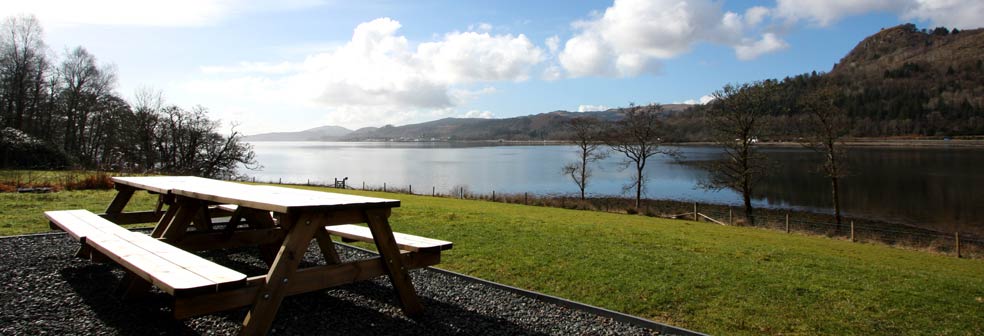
46	290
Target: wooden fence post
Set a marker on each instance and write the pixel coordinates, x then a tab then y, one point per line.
493	195
384	186
363	185
433	191
852	231
787	222
696	219
525	196
309	182
280	180
461	192
731	216
956	237
410	188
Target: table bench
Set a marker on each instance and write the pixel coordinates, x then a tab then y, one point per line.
173	270
352	233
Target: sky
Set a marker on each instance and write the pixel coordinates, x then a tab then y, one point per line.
266	66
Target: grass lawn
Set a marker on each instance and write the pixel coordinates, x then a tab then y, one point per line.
706	277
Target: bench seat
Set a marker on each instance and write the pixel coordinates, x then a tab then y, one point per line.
350	232
173	270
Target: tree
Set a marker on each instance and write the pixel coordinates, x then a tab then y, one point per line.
828	123
22	63
638	136
586	135
735	118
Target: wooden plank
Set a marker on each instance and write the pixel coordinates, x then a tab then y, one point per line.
386	245
304	281
194	241
173	270
133	217
279	199
220	275
404	241
264	309
152	268
123	195
160	184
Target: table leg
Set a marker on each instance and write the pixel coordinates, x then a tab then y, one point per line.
382	234
327	246
123	195
264	309
187	210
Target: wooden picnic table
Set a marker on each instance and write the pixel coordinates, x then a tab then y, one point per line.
282	222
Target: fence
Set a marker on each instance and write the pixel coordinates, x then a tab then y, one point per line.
959	244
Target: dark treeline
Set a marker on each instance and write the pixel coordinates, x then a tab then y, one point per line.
63	112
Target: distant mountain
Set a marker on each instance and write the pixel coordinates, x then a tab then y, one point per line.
323	133
543	126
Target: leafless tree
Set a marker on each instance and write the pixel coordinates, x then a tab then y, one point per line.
586	135
22	63
828	123
638	136
735	117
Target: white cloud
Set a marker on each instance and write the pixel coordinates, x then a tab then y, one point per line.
701	101
479	114
553	44
173	13
951	13
752	50
963	14
378	77
632	36
591	108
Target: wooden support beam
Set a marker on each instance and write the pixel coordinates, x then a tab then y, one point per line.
386	245
204	241
304	281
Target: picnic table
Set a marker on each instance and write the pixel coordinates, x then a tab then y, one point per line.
282	222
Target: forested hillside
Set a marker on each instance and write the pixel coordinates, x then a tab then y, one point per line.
900	82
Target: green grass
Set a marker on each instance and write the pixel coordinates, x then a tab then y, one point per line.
711	278
24	213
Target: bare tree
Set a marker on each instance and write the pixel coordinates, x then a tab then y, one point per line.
828	123
638	136
22	61
735	117
586	135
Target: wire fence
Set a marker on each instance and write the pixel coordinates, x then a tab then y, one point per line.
960	244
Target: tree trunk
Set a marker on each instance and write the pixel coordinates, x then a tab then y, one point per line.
584	173
746	195
835	190
638	188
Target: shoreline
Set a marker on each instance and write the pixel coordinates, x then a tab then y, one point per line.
856	142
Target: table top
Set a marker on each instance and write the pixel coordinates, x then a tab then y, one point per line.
261	197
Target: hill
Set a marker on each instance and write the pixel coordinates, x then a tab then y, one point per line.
543	126
899	82
323	133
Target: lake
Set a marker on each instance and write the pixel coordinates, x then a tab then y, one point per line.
929	187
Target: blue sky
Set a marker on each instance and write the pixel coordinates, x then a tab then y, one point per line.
297	64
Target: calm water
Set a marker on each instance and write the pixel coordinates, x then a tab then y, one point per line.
933	187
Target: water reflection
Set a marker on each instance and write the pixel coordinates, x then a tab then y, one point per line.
925	186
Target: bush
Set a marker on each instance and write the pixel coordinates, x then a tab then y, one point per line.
19	150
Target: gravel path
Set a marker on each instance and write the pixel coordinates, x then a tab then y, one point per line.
46	290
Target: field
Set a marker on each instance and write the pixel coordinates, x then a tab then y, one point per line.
706	277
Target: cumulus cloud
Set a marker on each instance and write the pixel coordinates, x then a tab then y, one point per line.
952	13
173	13
479	114
632	36
379	76
701	101
752	50
591	108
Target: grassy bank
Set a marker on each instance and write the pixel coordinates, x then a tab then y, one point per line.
712	278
